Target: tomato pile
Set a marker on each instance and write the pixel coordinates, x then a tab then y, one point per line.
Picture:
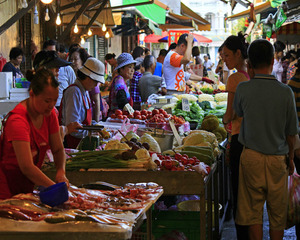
177	163
156	115
178	120
159	116
140	115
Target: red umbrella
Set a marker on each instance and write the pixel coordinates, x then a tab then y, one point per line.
152	38
197	38
201	38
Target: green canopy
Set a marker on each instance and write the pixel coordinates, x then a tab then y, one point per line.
151	11
276	3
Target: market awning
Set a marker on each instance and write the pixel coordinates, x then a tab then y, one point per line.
258	9
197	38
155	11
188	20
289	32
289	28
68	11
152	38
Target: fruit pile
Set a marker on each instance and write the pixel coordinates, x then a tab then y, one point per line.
158	118
178	120
180	162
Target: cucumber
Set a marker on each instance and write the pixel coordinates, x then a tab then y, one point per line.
204	150
202	157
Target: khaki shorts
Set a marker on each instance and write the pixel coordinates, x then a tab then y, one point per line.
262	178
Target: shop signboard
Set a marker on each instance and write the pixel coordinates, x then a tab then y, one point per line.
174	35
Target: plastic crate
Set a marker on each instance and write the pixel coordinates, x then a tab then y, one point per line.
164	222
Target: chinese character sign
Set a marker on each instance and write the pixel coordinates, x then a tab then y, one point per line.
174	35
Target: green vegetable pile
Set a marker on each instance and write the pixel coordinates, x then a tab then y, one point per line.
196	114
207	90
98	159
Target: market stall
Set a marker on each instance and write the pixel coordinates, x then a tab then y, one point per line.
88	218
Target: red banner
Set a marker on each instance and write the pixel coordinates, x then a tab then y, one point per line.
174	35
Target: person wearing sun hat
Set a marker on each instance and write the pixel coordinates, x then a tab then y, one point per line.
49	60
76	103
119	95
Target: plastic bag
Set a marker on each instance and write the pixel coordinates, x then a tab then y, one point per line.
126	127
293	216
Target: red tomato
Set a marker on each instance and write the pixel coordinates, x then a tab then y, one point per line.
155	111
138	117
136	112
162	111
118	112
120	116
168	164
144	112
191	161
125	112
113	116
130	116
177	156
144	117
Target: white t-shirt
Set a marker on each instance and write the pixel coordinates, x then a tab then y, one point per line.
173	72
66	77
277	70
208	64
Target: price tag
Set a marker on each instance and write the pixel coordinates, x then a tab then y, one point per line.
185	105
128	108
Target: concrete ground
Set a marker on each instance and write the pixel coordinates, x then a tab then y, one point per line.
228	232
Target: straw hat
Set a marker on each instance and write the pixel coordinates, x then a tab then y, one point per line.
94	69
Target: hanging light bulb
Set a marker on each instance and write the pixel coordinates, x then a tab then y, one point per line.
35	15
76	28
58	20
24	4
46	1
90	32
47	17
82	41
107	34
103	27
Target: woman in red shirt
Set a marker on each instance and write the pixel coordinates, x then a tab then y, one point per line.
30	130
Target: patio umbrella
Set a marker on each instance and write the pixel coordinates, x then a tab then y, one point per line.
152	38
197	38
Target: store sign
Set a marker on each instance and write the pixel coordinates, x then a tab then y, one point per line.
185	105
174	35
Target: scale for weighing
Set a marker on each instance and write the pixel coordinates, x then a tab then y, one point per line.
90	142
163	100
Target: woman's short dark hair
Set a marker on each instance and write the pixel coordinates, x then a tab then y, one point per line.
109	56
137	52
279	46
261	53
195	51
83	54
235	43
15	52
41	79
172	46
